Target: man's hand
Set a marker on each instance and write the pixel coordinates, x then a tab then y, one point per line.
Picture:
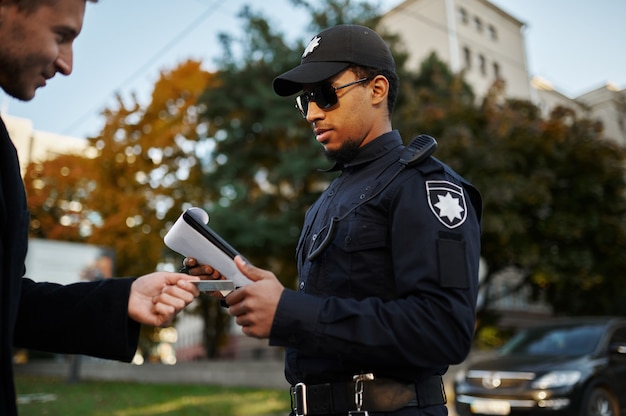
254	305
156	298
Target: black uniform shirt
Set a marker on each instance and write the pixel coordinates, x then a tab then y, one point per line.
394	292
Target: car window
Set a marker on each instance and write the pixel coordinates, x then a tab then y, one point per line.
569	340
619	336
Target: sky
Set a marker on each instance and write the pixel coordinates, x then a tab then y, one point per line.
576	45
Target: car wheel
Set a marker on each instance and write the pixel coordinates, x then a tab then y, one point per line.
599	402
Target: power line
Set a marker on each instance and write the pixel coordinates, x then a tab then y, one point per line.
142	69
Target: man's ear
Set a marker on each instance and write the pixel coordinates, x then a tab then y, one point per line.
380	89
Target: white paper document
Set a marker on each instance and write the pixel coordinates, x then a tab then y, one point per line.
192	237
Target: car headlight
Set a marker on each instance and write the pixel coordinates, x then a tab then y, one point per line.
557	379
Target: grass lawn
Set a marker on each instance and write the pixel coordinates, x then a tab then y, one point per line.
54	396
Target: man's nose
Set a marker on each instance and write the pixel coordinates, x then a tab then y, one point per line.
64	61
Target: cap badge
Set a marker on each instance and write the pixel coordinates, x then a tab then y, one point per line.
314	43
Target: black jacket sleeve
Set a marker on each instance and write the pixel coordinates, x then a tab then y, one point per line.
89	318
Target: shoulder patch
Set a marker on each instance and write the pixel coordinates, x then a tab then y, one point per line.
447	202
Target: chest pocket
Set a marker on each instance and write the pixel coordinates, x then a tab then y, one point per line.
365	266
361	235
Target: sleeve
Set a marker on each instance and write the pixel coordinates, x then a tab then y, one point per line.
435	252
89	318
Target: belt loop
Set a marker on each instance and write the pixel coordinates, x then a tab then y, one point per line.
430	392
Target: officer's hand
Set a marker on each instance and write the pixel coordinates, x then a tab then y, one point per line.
203	271
254	305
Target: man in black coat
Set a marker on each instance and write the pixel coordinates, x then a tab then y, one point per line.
99	318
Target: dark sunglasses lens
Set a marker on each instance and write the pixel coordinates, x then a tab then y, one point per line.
302	104
325	96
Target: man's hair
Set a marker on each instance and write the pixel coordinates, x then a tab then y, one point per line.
30	6
392	77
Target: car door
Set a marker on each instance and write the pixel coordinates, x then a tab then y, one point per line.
617	363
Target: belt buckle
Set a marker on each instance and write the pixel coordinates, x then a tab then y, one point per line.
298	400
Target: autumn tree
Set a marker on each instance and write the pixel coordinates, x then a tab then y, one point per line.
148	168
58	193
140	172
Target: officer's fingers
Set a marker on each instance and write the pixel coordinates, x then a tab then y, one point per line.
252	272
190	262
234	300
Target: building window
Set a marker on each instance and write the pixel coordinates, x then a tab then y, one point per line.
493	34
478	24
482	64
463	15
496	71
467	54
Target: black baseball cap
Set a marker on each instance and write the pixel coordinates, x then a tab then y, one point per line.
333	50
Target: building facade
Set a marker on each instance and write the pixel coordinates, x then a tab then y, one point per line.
486	44
37	146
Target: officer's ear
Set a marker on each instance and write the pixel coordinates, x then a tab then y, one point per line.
380	89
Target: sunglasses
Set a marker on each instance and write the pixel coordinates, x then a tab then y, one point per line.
324	95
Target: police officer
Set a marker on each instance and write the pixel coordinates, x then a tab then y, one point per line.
388	255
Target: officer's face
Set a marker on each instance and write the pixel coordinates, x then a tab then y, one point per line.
37	44
352	122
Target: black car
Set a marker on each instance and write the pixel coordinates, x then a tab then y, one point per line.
574	367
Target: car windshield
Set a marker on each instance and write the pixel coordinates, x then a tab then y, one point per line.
570	340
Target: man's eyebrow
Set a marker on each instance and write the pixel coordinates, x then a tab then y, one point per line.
67	31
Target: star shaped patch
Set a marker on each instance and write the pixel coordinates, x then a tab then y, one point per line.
447	202
314	43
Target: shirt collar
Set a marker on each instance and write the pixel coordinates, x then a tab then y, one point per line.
372	150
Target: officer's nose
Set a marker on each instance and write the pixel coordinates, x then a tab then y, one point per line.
314	112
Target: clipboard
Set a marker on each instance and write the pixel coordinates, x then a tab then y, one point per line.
208	233
191	236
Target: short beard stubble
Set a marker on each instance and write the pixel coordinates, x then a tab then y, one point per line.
346	152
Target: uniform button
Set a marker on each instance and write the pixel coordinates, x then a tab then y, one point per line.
348	239
302	284
362	196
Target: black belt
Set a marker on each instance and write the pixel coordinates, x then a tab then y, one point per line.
379	395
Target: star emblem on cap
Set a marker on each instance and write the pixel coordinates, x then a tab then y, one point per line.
314	43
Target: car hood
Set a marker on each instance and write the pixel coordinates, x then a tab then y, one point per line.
527	363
